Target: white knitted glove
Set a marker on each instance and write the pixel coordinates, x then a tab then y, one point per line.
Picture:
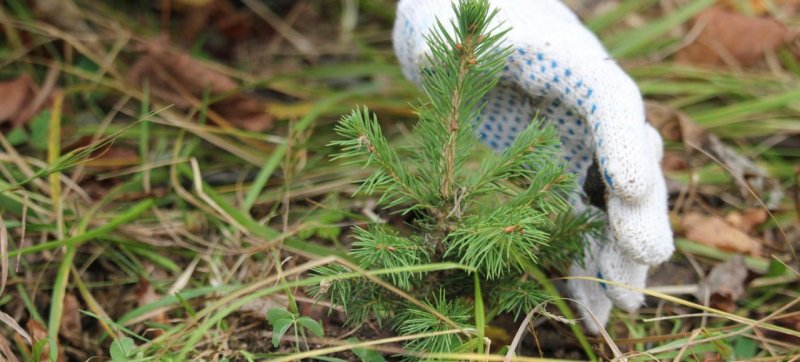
560	70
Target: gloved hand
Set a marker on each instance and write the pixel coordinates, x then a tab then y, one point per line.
560	70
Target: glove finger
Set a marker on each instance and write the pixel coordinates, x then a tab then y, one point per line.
639	224
618	268
622	153
642	230
589	293
598	99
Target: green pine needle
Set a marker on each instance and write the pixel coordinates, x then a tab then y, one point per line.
378	248
518	297
500	242
413	320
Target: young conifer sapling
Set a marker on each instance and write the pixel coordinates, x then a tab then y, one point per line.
495	215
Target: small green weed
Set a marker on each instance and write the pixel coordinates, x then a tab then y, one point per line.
123	350
281	320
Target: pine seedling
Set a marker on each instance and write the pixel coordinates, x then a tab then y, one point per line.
496	214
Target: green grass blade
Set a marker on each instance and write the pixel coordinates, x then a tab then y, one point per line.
265	232
738	112
620	12
129	215
62	276
564	309
277	155
200	330
167	301
632	41
480	312
57	300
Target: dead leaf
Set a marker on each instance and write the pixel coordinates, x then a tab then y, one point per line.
178	79
713	231
673	161
71	318
112	157
115	158
145	294
724	284
748	220
673	124
174	76
38	332
260	306
233	23
730	38
193	3
22	98
65	14
246	112
13	96
747	175
677	273
761	7
195	20
309	308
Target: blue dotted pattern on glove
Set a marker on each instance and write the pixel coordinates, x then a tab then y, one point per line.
531	83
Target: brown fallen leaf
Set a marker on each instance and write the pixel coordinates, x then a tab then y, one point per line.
747	220
196	19
38	332
724	284
112	157
245	112
115	158
146	294
178	79
673	124
747	175
222	16
761	7
309	307
22	98
66	15
70	327
234	24
673	161
733	39
713	231
13	96
193	3
260	306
